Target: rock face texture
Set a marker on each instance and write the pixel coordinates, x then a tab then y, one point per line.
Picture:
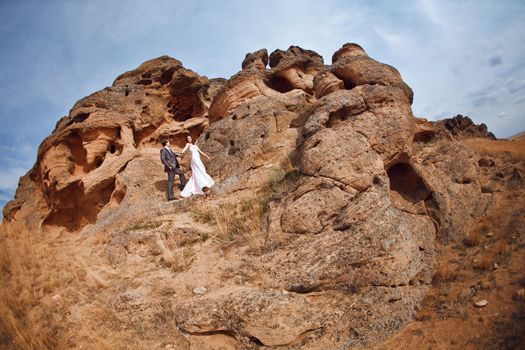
349	239
78	164
348	144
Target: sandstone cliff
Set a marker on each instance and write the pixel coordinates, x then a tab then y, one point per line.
333	209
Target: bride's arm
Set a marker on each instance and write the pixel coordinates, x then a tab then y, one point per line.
185	148
201	152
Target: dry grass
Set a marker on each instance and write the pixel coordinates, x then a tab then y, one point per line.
425	314
502	248
178	261
278	186
485	262
244	222
22	265
186	240
203	214
236	222
518	137
497	253
494	147
145	226
477	233
473	238
142	219
36	286
445	270
268	281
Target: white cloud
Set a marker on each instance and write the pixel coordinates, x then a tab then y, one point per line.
514	84
391	39
432	12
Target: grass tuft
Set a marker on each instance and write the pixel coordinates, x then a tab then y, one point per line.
245	221
145	226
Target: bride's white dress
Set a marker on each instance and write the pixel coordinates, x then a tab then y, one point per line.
199	177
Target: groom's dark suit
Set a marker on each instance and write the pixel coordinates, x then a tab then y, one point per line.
172	167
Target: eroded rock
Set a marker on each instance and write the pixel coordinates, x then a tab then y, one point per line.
78	164
348	240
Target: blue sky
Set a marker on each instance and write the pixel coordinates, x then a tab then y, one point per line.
465	57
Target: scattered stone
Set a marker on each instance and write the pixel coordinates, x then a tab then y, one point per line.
387	243
481	303
199	290
496	266
396	295
490	234
519	294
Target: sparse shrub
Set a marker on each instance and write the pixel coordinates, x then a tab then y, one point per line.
188	254
241	223
177	261
425	314
501	248
473	238
485	262
278	186
445	272
203	214
198	238
268	281
145	226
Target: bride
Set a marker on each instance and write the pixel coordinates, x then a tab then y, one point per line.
199	177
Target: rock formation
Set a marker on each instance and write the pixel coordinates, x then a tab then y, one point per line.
365	199
78	164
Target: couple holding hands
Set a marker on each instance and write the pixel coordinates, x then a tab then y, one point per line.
199	177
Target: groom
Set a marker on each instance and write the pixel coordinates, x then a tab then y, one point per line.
171	166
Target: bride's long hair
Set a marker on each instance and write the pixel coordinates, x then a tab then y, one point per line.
189	139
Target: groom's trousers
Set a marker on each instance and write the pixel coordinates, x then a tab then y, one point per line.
171	177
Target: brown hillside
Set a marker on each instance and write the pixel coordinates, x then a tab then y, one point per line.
518	137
